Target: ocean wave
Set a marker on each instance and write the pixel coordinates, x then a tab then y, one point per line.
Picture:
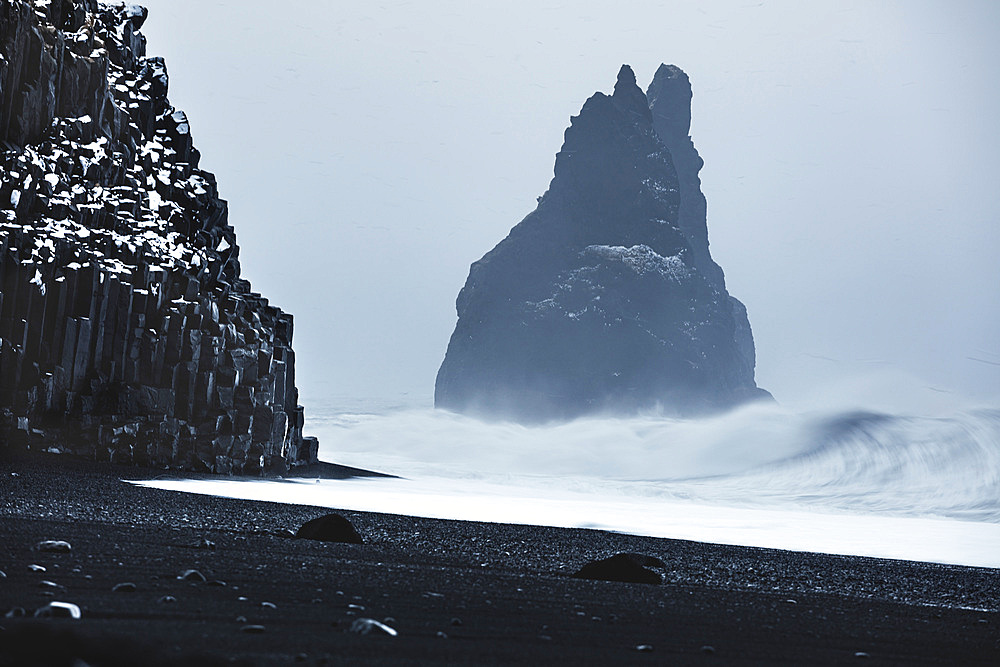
834	460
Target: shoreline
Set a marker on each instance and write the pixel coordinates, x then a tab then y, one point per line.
498	593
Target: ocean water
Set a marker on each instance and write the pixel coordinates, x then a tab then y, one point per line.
841	480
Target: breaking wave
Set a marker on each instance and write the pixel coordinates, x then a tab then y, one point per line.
759	456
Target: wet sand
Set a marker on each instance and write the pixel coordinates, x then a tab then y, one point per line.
456	592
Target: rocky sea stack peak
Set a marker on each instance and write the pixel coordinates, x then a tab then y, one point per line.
605	299
126	331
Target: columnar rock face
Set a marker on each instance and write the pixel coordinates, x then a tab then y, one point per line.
126	332
605	299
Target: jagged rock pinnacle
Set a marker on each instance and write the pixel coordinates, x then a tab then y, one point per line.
600	300
629	96
670	101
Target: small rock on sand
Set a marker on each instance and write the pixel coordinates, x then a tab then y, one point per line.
367	626
54	546
329	528
124	587
192	575
627	567
58	610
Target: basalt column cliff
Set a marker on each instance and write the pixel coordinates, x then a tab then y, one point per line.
605	299
126	332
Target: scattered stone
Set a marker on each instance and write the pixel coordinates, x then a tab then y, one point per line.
456	621
644	648
861	654
367	626
252	629
58	610
709	650
356	607
790	601
192	575
16	612
36	568
441	635
3	575
124	587
204	544
241	619
329	528
54	546
301	657
268	605
217	583
626	567
50	584
167	599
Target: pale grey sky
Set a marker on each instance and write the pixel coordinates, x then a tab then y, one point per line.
371	152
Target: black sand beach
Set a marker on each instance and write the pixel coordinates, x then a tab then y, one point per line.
456	592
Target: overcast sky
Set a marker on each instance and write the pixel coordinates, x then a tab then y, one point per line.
370	152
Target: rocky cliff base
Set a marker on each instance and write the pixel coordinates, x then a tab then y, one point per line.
126	332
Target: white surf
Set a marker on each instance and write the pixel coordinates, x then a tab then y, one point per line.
834	481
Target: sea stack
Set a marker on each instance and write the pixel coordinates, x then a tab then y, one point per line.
605	299
126	332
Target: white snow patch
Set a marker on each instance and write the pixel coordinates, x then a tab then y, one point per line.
642	260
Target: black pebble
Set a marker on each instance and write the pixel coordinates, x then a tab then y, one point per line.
329	528
192	575
124	587
622	567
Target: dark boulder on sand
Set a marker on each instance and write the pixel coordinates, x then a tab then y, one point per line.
627	567
329	528
605	298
